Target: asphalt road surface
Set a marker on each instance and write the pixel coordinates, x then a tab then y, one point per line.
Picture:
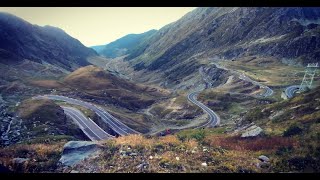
289	91
214	119
89	127
113	123
268	91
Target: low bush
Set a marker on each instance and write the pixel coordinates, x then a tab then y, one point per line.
293	130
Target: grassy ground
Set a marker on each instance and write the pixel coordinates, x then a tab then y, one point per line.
290	140
272	73
188	151
42	156
175	111
228	106
121	98
44	119
167	154
297	118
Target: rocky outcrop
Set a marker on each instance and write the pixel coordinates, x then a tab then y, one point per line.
212	75
10	125
264	158
76	151
252	131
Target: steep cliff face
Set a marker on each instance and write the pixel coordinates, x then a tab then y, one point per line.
40	44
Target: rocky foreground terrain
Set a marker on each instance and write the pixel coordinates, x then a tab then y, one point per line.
268	139
10	125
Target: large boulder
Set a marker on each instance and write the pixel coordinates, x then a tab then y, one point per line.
76	151
264	162
252	131
264	158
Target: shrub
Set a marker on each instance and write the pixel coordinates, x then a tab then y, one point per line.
301	163
284	150
257	114
191	144
158	148
292	130
198	135
134	141
170	140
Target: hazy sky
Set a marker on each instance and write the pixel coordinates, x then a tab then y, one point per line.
100	25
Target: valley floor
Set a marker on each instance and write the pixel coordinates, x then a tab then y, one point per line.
256	133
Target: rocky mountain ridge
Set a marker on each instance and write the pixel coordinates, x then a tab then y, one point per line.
45	44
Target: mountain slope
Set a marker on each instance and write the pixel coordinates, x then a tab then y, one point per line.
100	84
234	32
41	44
122	46
285	34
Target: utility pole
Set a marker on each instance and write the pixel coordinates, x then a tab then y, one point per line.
310	71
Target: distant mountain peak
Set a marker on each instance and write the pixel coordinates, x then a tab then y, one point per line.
41	44
53	28
123	45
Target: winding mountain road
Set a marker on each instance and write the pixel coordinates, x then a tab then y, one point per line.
267	91
289	91
111	121
89	127
214	119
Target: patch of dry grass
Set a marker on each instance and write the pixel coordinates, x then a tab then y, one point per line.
167	154
251	144
41	157
134	141
191	144
42	110
170	140
47	84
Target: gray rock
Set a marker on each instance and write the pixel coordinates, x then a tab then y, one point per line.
143	165
20	160
263	165
276	114
204	164
252	131
265	162
264	158
76	151
133	154
123	153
